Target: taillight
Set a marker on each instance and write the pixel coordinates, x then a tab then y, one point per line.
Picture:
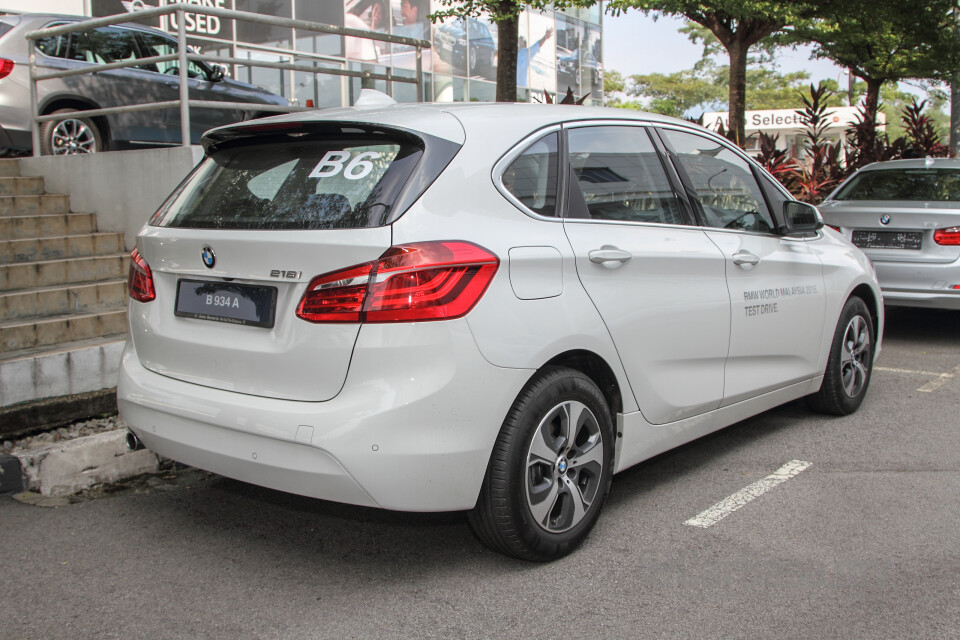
6	67
420	281
949	236
140	279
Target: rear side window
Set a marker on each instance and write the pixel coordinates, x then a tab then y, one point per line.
4	28
532	176
903	184
620	175
307	184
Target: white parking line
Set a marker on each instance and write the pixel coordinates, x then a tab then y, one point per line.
939	380
722	509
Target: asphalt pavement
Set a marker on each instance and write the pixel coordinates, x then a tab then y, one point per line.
862	542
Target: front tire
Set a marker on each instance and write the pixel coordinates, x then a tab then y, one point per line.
847	376
70	136
550	470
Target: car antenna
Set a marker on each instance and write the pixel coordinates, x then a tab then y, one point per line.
373	98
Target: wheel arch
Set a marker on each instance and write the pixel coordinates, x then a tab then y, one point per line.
80	104
869	297
596	368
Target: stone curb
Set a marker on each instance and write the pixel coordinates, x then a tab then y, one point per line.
70	466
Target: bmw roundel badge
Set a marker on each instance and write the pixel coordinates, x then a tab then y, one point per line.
884	219
208	257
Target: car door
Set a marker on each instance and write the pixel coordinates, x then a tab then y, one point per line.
166	75
775	282
117	87
656	279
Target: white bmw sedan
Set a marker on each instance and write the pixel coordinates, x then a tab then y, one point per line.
481	307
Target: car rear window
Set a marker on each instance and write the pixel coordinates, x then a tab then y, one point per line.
903	184
312	183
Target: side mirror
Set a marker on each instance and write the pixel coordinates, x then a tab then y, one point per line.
800	217
216	73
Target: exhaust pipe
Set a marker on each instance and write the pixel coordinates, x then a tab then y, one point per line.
133	442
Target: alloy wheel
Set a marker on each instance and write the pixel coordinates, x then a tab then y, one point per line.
564	465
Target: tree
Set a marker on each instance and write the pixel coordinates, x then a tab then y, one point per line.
704	88
506	13
738	25
885	41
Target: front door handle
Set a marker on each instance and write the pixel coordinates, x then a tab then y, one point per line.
607	255
745	259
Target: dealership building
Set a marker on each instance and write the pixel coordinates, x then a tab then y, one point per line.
787	125
559	50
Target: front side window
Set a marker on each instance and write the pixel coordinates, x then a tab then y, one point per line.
156	45
532	176
728	193
620	176
320	183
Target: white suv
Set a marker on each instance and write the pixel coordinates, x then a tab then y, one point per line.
480	307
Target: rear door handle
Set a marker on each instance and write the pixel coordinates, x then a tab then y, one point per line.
607	255
745	259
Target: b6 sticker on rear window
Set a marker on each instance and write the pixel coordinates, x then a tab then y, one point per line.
334	162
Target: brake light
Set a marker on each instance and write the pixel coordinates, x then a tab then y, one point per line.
949	236
6	67
420	281
140	279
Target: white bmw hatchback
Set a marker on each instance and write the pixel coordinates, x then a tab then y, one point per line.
490	308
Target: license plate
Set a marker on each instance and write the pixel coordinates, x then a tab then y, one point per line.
227	302
888	239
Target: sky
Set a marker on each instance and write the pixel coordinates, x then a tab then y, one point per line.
635	43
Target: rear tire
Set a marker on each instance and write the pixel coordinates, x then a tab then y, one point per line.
847	376
70	136
550	470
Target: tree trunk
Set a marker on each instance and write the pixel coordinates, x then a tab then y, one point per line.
738	89
955	116
507	35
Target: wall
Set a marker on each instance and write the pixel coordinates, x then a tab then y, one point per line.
124	188
70	7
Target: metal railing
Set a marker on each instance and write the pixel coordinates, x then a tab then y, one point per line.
183	55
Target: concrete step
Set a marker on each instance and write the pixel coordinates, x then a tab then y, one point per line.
45	226
60	300
67	369
9	167
34	205
53	248
16	335
30	275
21	186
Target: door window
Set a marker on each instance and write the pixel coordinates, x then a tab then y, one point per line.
105	45
727	191
532	176
156	45
620	177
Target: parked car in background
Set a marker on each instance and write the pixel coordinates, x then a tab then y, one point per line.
395	308
905	215
111	88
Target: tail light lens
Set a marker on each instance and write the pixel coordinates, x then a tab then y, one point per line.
6	67
420	281
140	279
949	236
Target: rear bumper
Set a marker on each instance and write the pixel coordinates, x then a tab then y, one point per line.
411	430
913	284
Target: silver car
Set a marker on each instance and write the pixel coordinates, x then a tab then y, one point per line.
110	88
905	215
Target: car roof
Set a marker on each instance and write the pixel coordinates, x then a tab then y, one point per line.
914	163
438	119
32	19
